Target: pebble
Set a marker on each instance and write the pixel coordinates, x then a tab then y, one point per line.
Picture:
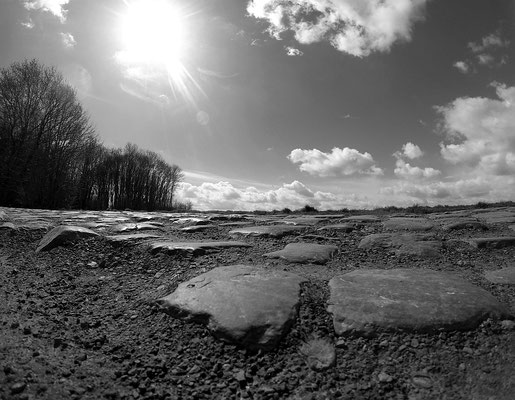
18	387
384	377
508	325
422	382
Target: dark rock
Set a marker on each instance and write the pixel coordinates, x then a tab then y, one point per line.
491	242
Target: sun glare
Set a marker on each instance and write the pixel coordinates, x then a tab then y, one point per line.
152	33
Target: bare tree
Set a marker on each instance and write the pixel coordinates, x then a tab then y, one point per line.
43	132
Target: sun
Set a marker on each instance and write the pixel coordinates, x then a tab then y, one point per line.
152	33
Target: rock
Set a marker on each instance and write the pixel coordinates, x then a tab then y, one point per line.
136	227
8	225
135	237
242	304
410	244
491	242
193	221
63	234
422	381
311	221
338	227
365	301
3	215
503	276
383	377
408	224
197	228
195	248
276	231
496	217
18	387
305	253
512	227
320	354
508	325
362	218
464	224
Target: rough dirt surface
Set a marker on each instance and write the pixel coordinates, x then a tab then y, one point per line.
81	321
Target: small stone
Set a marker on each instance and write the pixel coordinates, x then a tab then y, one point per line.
468	350
384	377
240	376
508	325
422	381
462	367
92	264
414	343
18	387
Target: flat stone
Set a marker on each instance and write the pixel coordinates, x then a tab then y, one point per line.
191	221
144	226
311	221
408	224
197	228
504	276
195	248
131	238
362	218
237	223
465	223
491	242
3	215
63	234
246	305
305	253
276	231
338	227
512	227
496	217
409	244
365	301
8	225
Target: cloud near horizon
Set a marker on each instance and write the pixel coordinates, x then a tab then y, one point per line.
356	27
55	7
340	162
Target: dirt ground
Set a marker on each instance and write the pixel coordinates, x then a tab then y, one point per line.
81	322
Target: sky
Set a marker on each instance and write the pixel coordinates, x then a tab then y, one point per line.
267	104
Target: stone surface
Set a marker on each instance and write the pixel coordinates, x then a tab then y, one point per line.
496	217
409	244
276	231
362	218
338	227
243	304
144	226
197	228
365	301
408	224
491	242
131	238
305	253
504	276
311	221
63	234
464	223
195	248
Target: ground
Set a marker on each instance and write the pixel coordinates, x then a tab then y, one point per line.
81	322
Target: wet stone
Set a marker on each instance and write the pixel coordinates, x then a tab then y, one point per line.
305	253
242	304
62	235
195	248
366	301
403	244
276	231
504	276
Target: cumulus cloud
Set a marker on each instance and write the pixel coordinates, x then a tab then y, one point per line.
340	162
29	24
356	27
487	52
412	151
292	51
480	132
55	7
406	171
68	40
299	188
462	66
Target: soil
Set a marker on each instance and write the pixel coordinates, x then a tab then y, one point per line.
81	322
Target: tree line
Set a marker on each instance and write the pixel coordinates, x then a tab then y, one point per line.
50	156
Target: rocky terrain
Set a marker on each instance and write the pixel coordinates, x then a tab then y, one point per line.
131	305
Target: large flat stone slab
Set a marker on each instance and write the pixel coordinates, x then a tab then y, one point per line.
408	224
63	234
194	248
143	226
362	218
246	305
464	223
403	244
365	301
491	242
496	217
343	227
276	231
504	276
130	238
310	221
305	253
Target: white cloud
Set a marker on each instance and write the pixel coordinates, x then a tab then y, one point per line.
356	27
481	132
55	7
485	59
29	24
412	151
406	171
340	162
299	188
292	51
487	43
462	66
68	40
